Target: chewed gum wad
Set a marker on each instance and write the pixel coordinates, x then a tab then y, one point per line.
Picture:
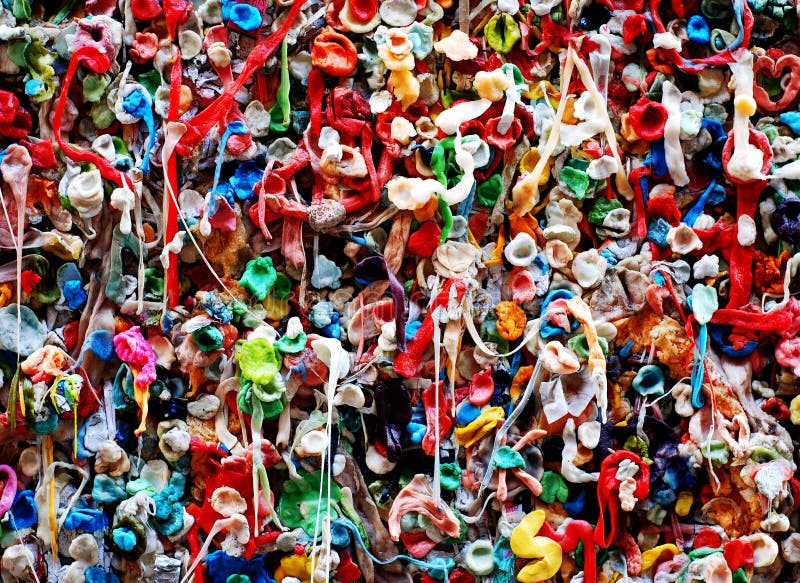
399	291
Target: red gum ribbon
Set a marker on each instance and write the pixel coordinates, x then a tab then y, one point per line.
575	532
407	363
608	492
445	422
768	321
176	12
741	262
747	193
97	62
635	179
171	227
347	113
201	124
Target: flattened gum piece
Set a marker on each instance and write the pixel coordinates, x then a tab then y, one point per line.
673	347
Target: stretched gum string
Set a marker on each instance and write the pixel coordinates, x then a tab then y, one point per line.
199	126
48	481
333	380
671	100
742	70
97	62
791	271
398	296
463	16
316	93
755	321
524	204
500	435
437	367
47	454
256	421
225	437
600	60
20	191
698	367
621	180
366	149
260	478
741	259
326	462
171	282
597	360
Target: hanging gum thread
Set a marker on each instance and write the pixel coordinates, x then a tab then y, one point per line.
526	192
19	188
197	128
99	63
170	165
326	462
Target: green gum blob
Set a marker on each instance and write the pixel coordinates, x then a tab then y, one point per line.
153	284
299	506
451	476
94	87
259	276
638	445
102	115
280	113
507	458
207	338
39	62
576	180
502	32
151	80
489	191
553	488
283	287
258	360
602	207
21	9
580	345
717	451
